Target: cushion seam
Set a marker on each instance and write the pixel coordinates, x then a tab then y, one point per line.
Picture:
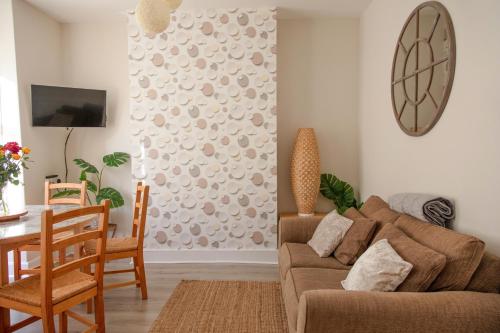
297	297
289	256
476	249
429	275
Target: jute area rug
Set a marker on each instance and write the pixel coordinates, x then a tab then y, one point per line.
223	306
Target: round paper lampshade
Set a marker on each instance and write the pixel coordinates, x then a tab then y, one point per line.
174	4
153	15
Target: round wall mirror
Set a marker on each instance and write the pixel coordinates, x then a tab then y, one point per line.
423	68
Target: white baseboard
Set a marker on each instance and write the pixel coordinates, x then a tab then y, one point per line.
268	256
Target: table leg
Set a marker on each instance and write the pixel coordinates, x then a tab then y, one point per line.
4	279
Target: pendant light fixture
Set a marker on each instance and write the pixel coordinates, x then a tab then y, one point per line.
154	15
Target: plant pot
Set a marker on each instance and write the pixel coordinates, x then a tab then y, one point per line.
305	171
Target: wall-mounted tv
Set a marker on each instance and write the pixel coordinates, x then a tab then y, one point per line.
67	107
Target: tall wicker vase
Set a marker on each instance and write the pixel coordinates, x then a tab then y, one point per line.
305	171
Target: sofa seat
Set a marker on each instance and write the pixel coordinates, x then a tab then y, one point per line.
299	280
302	255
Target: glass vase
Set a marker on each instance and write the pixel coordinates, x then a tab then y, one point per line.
4	208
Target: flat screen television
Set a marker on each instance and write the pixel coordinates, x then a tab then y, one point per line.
67	107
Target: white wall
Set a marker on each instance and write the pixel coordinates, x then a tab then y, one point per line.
9	102
76	55
10	124
38	54
95	55
460	157
318	87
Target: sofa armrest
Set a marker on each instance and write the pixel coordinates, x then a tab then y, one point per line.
297	229
350	311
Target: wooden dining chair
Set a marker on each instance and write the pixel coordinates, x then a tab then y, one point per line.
80	200
54	291
128	247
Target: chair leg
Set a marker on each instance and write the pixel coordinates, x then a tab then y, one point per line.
87	270
99	312
142	275
17	264
62	256
136	272
48	321
63	322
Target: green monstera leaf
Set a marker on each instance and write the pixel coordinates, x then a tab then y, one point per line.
116	159
340	192
91	186
113	195
86	166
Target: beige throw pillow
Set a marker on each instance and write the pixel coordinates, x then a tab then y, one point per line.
380	268
329	234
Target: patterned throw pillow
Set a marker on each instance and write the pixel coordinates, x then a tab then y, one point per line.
329	234
380	268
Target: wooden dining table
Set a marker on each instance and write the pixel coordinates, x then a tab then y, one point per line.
26	230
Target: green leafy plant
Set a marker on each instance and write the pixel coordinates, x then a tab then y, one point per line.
339	191
96	192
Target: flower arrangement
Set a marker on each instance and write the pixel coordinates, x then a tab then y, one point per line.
13	159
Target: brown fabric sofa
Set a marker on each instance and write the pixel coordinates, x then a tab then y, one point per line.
316	302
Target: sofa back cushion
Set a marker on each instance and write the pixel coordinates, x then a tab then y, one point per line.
427	263
463	252
355	241
372	205
352	213
486	278
384	216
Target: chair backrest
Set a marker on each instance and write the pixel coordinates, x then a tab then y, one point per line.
78	188
49	245
140	212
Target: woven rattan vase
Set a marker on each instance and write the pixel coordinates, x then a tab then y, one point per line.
305	171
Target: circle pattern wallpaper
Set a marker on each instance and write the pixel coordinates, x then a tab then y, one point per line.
203	122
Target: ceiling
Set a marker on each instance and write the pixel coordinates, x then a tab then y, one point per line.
78	11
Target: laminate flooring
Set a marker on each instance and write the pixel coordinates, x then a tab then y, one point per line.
127	312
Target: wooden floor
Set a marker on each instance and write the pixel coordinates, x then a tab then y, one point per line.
126	312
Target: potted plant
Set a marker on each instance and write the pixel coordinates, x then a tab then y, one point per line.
96	190
13	159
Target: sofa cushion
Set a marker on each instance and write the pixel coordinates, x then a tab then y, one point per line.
352	213
372	205
301	255
329	233
486	278
463	252
380	268
385	215
355	241
299	280
427	263
316	278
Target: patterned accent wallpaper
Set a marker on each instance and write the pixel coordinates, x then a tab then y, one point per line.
203	123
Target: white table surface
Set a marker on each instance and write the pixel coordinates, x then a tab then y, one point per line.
31	223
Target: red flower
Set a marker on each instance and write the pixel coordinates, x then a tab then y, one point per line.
13	147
